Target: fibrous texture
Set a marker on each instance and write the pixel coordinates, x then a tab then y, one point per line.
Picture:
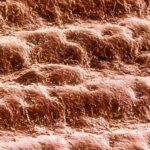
75	75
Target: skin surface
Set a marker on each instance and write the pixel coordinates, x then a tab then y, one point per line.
75	75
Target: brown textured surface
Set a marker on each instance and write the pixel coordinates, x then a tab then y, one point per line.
75	75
